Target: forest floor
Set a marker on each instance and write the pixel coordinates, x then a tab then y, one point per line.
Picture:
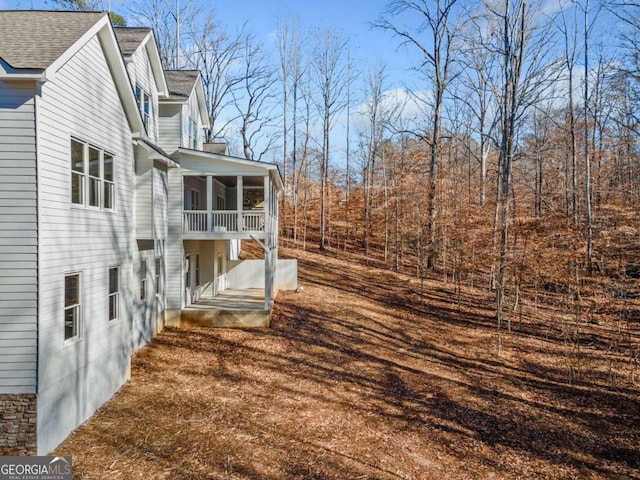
358	379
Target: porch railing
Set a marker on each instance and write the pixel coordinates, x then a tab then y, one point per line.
197	221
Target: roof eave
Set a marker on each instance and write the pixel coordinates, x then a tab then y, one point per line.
118	70
202	103
156	65
155	154
272	168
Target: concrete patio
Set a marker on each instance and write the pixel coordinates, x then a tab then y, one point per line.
231	308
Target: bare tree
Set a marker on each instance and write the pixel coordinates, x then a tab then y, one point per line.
569	59
374	104
479	64
524	75
216	53
255	101
434	39
330	77
90	6
168	22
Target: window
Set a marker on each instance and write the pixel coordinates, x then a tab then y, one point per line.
187	271
146	110
221	203
77	172
193	133
71	306
109	182
138	92
92	176
143	279
143	100
197	269
158	275
114	292
195	200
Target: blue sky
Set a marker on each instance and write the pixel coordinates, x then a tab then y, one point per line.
369	46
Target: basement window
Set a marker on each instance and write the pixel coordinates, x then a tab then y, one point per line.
72	306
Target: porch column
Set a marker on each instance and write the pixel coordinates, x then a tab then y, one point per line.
239	200
267	204
268	275
268	271
209	203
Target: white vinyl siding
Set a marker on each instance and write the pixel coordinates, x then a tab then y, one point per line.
82	102
145	323
160	200
151	198
170	123
175	249
18	239
144	195
141	75
191	113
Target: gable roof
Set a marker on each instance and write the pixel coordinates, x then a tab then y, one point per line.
130	38
34	39
43	41
181	83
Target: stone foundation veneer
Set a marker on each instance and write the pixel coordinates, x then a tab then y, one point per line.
18	427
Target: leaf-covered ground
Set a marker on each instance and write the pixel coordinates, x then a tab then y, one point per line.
357	379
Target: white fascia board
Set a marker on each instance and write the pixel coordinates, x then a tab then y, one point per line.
7	72
151	47
171	101
202	102
156	65
122	81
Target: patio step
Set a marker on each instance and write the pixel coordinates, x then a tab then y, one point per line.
225	318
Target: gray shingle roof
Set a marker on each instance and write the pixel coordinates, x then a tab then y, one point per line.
180	83
130	38
34	39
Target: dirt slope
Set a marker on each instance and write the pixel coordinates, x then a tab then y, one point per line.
357	380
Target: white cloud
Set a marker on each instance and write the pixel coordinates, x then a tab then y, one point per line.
399	105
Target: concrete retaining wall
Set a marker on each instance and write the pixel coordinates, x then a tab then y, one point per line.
250	274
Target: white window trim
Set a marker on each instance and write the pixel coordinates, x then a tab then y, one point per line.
158	275
78	336
147	117
86	177
143	281
117	294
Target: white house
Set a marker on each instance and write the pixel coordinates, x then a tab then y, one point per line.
114	217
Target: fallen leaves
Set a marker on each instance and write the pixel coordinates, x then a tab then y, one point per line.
356	379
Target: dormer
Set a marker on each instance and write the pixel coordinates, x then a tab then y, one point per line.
183	114
140	53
